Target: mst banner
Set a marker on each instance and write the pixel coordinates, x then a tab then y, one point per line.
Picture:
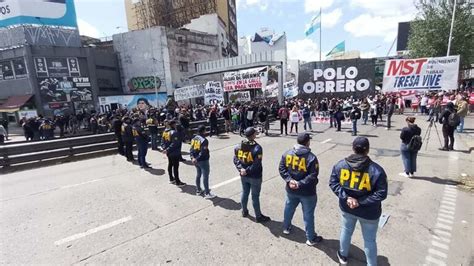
337	78
434	73
214	93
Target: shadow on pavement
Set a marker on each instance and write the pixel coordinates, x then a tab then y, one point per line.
154	171
226	203
436	180
368	136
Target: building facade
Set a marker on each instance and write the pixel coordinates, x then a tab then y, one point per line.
142	14
163	55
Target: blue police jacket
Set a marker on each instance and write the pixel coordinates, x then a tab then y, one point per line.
171	142
199	148
359	177
301	165
248	156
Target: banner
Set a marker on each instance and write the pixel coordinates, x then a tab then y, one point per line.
214	93
110	103
240	96
290	89
337	78
255	78
434	73
189	92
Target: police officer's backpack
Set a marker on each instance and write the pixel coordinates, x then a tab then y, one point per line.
415	143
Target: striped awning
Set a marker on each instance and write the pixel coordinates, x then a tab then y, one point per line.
14	103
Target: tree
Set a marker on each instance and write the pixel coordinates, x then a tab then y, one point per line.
429	32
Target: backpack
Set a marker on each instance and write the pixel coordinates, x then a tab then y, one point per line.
415	143
454	120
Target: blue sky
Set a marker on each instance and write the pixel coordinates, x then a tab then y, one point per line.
369	26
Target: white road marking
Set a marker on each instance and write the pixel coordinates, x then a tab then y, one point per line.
326	141
445	220
446	216
441	232
435	261
449	196
443	226
448	203
80	184
439	245
225	182
437	253
93	231
449	208
444	239
446	211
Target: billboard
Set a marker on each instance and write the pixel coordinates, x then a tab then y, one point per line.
337	78
57	67
255	78
434	73
13	69
43	12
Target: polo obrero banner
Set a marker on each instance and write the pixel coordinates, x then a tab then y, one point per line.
337	78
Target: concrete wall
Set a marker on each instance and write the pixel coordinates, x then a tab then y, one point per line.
39	35
19	86
211	24
143	53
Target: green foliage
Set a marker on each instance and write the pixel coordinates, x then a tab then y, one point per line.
430	31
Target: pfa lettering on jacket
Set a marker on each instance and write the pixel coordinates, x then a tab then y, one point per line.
355	180
245	156
296	163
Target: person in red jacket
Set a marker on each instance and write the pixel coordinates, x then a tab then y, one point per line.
283	114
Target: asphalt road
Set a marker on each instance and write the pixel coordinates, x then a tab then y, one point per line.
105	210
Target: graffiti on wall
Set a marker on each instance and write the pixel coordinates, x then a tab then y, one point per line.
143	83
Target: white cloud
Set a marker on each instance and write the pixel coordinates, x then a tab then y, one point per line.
367	25
305	49
329	20
381	18
87	29
314	5
368	55
262	4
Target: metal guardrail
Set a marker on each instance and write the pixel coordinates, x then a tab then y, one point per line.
68	148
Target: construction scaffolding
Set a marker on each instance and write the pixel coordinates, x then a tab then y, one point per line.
170	13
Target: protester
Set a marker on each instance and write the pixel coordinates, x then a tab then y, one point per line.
411	144
283	113
307	118
462	109
354	116
299	168
227	115
199	152
213	122
117	127
248	161
171	145
390	110
361	186
295	118
127	137
364	107
152	125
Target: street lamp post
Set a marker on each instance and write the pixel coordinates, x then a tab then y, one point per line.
451	31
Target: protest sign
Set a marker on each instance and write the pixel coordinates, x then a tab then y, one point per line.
337	78
189	92
434	73
255	78
290	89
213	93
240	96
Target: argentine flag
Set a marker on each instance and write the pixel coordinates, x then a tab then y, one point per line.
314	25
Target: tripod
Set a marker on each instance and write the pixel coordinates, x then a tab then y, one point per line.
428	134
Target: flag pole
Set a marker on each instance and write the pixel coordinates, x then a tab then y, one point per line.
320	31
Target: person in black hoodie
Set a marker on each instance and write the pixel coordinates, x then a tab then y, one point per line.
409	155
117	126
248	161
448	130
142	139
361	186
171	145
127	137
299	168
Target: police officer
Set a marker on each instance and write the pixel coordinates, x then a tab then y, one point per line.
200	157
127	137
361	186
248	161
299	168
171	145
141	138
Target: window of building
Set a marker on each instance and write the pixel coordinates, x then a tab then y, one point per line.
183	66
